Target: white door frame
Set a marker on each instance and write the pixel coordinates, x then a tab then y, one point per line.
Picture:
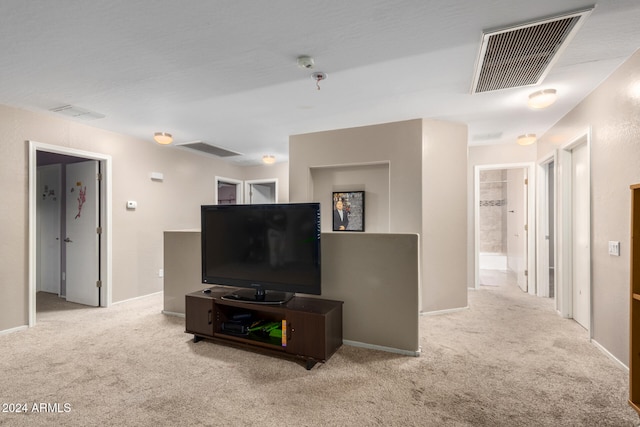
564	276
531	211
238	184
542	218
106	196
250	182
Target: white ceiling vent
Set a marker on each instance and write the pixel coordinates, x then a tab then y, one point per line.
523	55
209	149
77	112
484	137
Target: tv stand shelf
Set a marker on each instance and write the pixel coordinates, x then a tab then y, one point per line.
309	329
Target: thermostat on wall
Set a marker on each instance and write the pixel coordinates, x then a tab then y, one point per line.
156	176
132	204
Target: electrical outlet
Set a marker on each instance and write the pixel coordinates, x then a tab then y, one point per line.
614	248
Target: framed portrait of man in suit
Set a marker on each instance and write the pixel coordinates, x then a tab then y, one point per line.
348	211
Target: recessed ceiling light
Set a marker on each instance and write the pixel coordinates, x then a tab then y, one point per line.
527	139
163	138
542	98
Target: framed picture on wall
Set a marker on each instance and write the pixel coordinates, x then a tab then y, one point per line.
348	211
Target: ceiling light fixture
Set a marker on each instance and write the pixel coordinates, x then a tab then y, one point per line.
163	138
268	159
542	98
526	139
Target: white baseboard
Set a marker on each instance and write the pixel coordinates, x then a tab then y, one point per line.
136	298
382	348
449	310
611	356
16	329
171	313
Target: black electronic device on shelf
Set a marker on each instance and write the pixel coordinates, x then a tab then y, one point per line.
270	250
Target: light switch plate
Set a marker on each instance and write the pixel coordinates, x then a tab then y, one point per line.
614	248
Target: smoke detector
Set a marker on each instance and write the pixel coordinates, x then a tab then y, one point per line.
305	62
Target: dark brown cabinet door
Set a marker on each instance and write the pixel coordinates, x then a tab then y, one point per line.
199	315
306	335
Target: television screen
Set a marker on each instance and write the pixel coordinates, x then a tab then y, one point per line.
272	249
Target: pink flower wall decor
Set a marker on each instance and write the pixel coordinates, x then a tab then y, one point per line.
81	199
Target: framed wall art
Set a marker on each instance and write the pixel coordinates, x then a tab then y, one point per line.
348	211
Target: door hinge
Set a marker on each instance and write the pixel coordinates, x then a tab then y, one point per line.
98	283
526	272
526	181
99	176
526	227
99	230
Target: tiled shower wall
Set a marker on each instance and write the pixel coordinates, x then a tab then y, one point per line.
493	211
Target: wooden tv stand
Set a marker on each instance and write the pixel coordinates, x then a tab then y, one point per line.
311	327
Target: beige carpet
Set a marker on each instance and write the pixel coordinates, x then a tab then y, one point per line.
488	365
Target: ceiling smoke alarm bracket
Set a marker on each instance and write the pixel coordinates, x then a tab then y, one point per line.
305	62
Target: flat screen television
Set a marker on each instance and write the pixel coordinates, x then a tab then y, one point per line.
269	251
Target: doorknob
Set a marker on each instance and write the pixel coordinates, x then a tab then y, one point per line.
68	240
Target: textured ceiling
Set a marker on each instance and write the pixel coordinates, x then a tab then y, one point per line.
225	72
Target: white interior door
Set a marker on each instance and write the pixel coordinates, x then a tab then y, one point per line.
516	225
48	228
523	276
551	232
546	233
82	243
581	277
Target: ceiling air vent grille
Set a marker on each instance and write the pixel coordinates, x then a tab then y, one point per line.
523	55
77	112
209	149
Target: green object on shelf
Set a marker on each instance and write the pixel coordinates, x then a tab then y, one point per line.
276	333
273	329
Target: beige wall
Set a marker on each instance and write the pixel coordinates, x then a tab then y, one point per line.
612	112
137	235
182	268
444	207
373	179
279	171
381	306
399	144
425	164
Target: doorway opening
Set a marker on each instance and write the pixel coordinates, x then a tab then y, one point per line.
547	225
228	191
69	259
504	213
261	191
574	231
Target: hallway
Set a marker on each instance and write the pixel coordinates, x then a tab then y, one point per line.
510	359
